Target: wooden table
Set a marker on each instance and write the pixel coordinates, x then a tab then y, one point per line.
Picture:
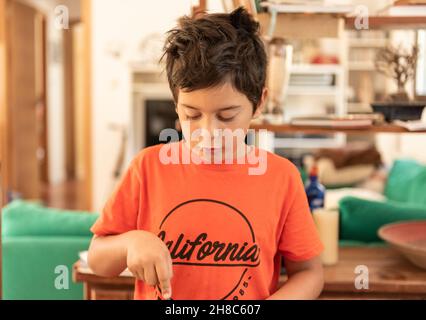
101	288
390	276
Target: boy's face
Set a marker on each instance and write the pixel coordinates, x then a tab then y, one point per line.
207	110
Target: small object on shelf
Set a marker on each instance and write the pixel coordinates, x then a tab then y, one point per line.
377	118
272	118
409	238
395	110
325	59
415	125
399	65
348	121
280	57
315	191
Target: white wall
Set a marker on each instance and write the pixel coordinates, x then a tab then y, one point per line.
119	24
55	104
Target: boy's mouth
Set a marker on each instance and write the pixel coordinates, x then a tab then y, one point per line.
210	149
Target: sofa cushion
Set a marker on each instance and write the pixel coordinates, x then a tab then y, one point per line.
360	219
32	267
407	182
23	218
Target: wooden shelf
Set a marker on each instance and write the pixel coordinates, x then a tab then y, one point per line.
288	128
390	22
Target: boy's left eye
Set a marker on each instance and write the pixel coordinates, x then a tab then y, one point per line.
225	119
193	117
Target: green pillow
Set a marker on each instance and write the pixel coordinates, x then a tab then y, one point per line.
23	218
361	219
407	182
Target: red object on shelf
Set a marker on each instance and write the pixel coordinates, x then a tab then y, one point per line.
324	59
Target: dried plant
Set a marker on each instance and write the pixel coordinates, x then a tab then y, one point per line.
398	64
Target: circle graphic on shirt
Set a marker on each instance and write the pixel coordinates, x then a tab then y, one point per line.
212	245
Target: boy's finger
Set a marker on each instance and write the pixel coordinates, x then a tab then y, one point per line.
163	275
170	266
140	274
166	289
150	275
136	273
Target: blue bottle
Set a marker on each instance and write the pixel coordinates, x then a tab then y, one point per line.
315	191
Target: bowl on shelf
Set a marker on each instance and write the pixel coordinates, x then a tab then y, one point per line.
409	238
405	111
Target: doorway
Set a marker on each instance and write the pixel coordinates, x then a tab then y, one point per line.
26	152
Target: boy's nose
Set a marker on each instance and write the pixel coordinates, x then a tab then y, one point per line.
211	129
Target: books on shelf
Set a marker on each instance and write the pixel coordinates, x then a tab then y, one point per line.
334	121
413	125
312	80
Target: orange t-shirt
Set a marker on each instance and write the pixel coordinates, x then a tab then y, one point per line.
225	229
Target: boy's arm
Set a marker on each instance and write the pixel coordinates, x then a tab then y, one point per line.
144	253
108	254
305	280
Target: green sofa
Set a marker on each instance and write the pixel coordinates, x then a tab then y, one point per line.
39	247
405	193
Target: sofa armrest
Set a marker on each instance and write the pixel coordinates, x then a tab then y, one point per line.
29	265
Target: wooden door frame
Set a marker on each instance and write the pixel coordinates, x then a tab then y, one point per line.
5	161
86	19
69	107
4	134
5	145
44	142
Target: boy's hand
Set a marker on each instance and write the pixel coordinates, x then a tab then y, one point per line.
148	259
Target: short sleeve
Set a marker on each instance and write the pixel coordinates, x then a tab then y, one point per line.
121	210
299	238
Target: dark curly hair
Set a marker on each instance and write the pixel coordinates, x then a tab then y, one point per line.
215	48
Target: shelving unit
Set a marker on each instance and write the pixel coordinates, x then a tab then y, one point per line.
336	91
304	22
296	22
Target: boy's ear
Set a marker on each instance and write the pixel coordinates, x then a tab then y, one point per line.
262	103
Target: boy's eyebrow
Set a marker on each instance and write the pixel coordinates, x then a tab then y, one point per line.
221	109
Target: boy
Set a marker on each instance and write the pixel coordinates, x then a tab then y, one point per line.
207	228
